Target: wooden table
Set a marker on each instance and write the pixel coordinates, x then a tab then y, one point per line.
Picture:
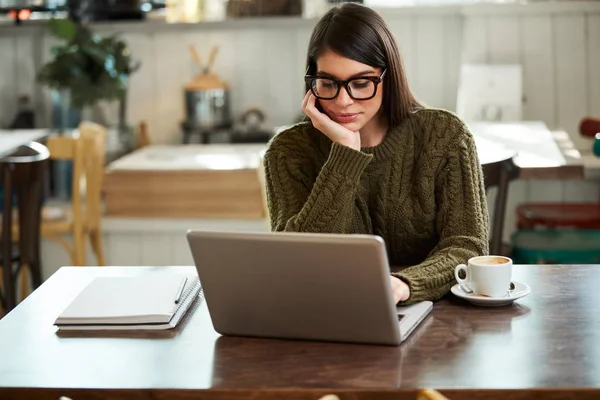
547	344
539	152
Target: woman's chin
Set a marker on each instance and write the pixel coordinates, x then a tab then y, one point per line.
353	126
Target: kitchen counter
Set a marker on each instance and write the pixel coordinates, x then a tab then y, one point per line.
186	181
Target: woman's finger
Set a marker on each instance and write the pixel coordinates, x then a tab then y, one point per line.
305	100
314	114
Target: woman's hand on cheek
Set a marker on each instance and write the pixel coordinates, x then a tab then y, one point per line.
327	126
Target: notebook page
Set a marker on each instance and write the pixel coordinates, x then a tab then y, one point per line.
192	291
140	299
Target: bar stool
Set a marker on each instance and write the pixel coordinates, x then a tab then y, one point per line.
499	174
24	170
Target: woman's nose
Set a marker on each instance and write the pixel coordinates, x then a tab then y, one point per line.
343	98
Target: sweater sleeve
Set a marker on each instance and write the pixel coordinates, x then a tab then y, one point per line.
462	223
304	200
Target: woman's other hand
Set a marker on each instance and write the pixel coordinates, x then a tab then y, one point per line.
400	290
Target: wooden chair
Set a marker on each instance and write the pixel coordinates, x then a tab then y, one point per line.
87	152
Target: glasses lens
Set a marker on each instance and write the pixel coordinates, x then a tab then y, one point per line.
324	88
362	88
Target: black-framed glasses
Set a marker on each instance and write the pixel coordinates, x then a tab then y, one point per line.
359	88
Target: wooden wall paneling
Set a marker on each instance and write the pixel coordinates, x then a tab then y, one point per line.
453	25
124	248
517	194
546	191
143	90
570	74
156	249
8	80
300	49
251	79
582	191
281	104
475	40
430	42
404	31
45	119
54	255
504	38
593	60
539	87
173	65
180	250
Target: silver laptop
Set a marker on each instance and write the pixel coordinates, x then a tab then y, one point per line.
308	286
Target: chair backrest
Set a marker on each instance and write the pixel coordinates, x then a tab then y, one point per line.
70	149
94	139
499	175
87	152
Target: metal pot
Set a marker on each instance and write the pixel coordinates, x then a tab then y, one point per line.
207	108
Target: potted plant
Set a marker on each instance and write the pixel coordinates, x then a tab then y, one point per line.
88	68
85	68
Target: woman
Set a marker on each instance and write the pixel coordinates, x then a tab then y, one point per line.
372	160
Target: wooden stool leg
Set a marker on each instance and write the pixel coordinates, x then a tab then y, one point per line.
7	242
30	203
96	242
25	278
25	205
34	258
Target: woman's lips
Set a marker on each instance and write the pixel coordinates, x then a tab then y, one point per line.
344	118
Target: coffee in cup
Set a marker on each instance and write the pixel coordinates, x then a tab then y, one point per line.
486	275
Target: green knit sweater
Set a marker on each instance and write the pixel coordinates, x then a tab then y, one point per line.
421	190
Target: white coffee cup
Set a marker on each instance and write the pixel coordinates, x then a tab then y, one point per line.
486	275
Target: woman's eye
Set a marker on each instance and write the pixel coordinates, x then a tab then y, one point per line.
361	84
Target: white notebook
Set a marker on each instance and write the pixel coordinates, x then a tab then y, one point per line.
140	302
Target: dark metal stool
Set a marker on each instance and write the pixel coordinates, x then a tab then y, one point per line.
24	170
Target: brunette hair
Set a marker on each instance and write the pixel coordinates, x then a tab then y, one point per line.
357	32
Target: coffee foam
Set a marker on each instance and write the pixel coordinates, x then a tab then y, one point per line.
490	260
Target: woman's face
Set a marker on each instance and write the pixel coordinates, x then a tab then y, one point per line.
350	113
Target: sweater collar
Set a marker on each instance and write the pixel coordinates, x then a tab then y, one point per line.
390	146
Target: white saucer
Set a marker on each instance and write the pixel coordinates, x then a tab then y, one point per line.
520	290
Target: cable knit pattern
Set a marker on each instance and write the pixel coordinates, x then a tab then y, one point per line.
421	190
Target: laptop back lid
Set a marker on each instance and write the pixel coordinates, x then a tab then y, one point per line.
297	285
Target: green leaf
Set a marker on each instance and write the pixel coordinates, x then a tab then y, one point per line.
62	28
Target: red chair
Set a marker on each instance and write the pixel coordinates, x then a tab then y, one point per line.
555	215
